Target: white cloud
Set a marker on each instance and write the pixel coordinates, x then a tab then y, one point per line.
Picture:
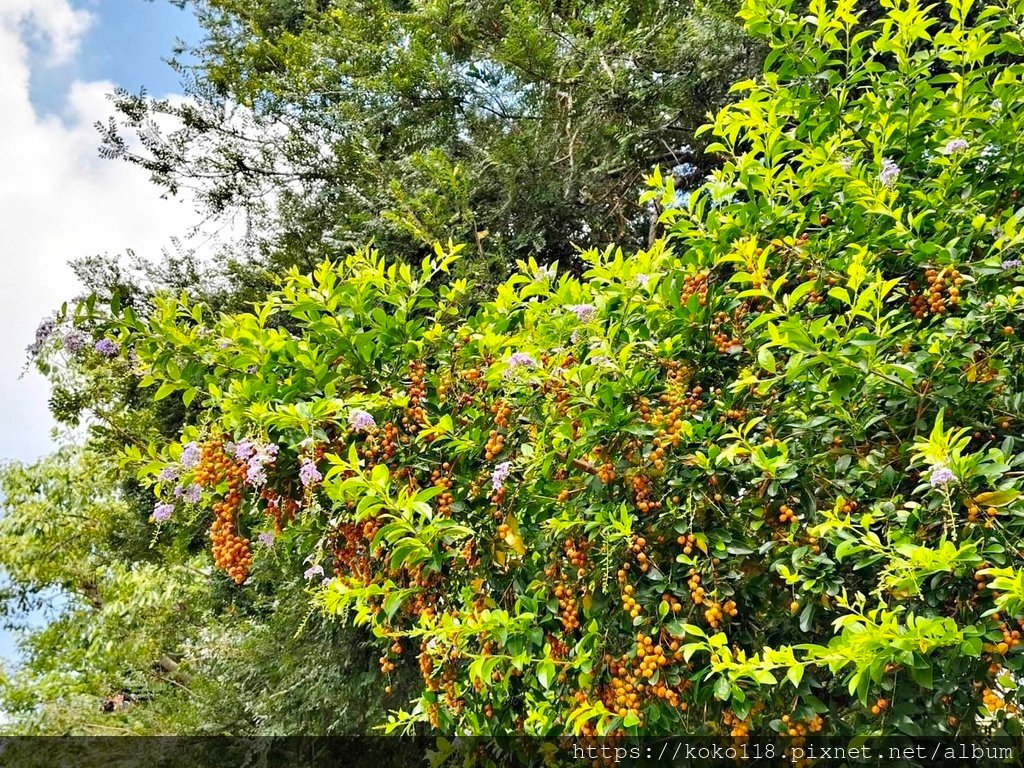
58	200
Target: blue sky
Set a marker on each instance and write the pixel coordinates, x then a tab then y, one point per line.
58	199
126	43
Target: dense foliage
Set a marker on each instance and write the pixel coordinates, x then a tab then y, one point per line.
140	640
523	127
764	474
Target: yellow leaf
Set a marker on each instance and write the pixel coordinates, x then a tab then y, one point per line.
996	498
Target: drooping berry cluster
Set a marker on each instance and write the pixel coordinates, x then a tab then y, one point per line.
232	552
941	295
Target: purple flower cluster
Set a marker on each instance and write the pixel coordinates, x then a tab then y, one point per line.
500	475
258	457
846	163
162	512
313	571
519	360
107	347
190	455
192	494
308	473
43	334
360	420
889	173
74	341
1012	264
941	476
266	539
955	146
169	474
584	312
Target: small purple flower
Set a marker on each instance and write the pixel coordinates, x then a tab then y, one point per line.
642	280
520	360
500	474
43	333
313	571
162	512
266	539
257	457
941	476
889	173
584	312
193	494
107	347
308	473
190	455
360	420
1012	264
955	146
846	163
75	341
244	449
169	474
255	474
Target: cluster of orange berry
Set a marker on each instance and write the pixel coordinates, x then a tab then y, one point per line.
567	603
879	706
641	557
498	496
687	542
643	490
994	702
734	414
974	512
631	683
726	343
739	728
786	515
568	608
445	500
1011	639
796	729
651	657
502	413
383	446
348	542
942	294
696	590
495	444
797	732
417	394
576	552
629	603
695	284
677	403
715	613
281	510
214	463
813	297
386	665
231	552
